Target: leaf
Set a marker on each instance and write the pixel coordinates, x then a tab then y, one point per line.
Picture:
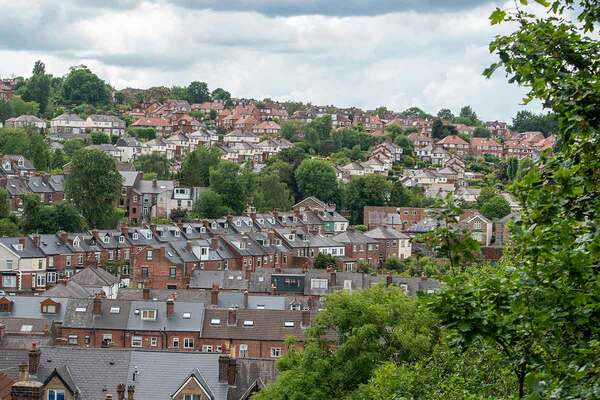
497	16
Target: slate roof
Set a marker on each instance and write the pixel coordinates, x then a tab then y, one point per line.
150	186
176	323
105	320
226	299
129	177
354	237
29	307
94	276
227	280
383	232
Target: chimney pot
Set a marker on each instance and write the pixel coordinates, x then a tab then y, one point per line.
124	229
120	391
130	392
188	245
232	317
35	238
146	293
23	373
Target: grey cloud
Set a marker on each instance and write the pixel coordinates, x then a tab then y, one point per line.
340	8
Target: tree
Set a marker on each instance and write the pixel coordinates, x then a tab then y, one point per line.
272	193
323	261
440	131
445	114
317	178
100	138
367	190
197	92
291	130
374	326
58	159
482	132
72	146
467	116
526	121
220	94
93	185
210	205
142	133
393	264
154	162
225	180
38	151
8	228
4	204
37	88
495	208
407	146
82	86
195	169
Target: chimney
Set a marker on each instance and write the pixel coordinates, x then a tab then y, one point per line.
245	298
124	229
153	229
35	238
146	293
188	245
229	219
214	242
227	370
23	373
2	331
120	391
214	295
170	308
388	279
232	317
95	234
333	278
252	214
34	359
63	236
97	310
271	237
130	392
273	290
305	318
22	241
223	369
424	277
154	184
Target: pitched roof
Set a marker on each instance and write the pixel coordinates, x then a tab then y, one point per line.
94	276
383	232
453	139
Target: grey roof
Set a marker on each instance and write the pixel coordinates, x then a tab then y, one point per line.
176	323
252	374
383	232
72	290
94	276
228	280
154	187
107	118
129	177
68	117
353	237
226	299
29	307
267	302
114	314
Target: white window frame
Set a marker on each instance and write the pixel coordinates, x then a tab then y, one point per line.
136	341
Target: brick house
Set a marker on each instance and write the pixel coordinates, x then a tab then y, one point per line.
392	243
454	144
358	247
481	146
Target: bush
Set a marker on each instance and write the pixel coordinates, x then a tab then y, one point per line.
323	261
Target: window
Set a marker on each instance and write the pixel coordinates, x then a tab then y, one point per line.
56	394
125	270
40	264
186	315
144	272
243	350
73	339
153	341
191	397
318	283
51	277
106	239
80	259
121	239
9	281
275	351
40	280
173	272
188	343
289	324
136	341
49	309
207	348
26	328
215	321
107	339
111	255
175	342
149	315
477	225
248	323
68	261
115	310
80	309
149	255
135	236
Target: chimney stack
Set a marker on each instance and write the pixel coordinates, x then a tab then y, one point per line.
97	306
227	370
305	318
245	298
188	245
273	290
23	373
130	392
95	234
35	238
63	236
170	308
124	229
232	317
34	359
214	294
22	241
333	278
120	391
154	183
146	293
214	242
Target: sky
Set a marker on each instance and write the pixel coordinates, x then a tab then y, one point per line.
364	53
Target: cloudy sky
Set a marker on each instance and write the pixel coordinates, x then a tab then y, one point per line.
367	53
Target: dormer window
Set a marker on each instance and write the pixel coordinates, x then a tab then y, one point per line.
202	230
148	315
135	236
213	225
106	239
76	242
188	230
238	223
20	162
148	235
121	239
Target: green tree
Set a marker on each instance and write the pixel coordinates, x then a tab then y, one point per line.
4	204
143	134
72	146
317	178
393	264
496	207
154	162
467	116
367	190
225	180
482	132
8	228
526	121
197	92
373	326
100	138
210	205
37	88
323	261
272	193
291	130
94	185
195	169
38	151
82	86
445	114
220	94
58	159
